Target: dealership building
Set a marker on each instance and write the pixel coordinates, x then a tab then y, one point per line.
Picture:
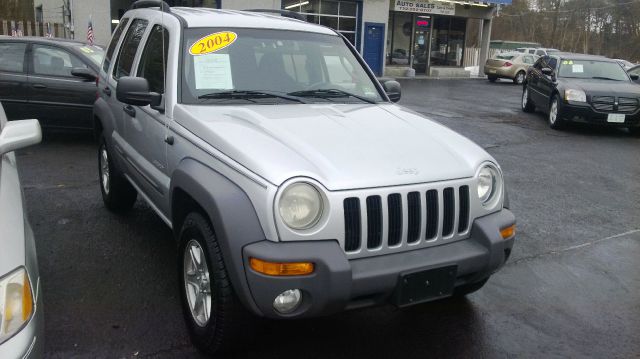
395	37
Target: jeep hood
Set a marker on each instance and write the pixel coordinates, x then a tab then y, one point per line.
344	146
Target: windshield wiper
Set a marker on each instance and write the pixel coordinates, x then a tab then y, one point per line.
329	93
604	78
248	95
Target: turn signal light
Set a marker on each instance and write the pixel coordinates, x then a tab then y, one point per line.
508	232
281	269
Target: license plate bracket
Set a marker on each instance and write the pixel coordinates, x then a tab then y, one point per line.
426	285
616	118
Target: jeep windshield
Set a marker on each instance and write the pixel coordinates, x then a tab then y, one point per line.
240	65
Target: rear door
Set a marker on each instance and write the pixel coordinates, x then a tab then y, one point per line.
57	98
533	81
13	78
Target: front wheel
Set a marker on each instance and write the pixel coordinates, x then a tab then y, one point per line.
555	115
492	78
216	319
118	194
519	79
527	105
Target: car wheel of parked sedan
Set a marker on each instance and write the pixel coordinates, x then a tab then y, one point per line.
492	78
465	289
527	105
215	317
519	79
118	194
555	119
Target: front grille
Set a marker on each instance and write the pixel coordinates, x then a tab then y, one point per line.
627	105
608	104
429	215
603	103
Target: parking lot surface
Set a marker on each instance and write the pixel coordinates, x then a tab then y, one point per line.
570	289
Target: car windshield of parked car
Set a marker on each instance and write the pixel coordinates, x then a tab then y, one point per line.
590	69
243	65
94	53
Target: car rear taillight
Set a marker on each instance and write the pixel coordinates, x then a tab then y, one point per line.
507	64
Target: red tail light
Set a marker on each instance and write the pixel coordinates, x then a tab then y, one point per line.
507	64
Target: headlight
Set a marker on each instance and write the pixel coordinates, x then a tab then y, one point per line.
575	95
300	206
16	303
488	183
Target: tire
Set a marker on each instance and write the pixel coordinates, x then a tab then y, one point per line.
492	78
634	131
118	194
555	114
202	272
526	103
519	79
467	289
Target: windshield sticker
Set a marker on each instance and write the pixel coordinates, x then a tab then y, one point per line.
213	71
213	42
577	68
567	62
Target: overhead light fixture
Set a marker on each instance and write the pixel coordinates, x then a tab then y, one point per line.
115	21
296	5
465	3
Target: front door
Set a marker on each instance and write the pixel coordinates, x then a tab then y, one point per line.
373	46
57	98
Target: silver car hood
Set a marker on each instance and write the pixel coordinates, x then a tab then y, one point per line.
12	228
344	146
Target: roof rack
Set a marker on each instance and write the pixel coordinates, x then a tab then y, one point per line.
284	13
141	4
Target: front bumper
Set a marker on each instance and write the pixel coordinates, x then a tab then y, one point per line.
339	283
584	113
29	341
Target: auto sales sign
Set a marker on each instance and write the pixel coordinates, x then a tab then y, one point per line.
425	7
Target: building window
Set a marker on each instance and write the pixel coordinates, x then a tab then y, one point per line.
399	38
39	16
338	15
447	45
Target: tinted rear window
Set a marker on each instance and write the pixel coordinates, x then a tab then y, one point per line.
12	56
124	62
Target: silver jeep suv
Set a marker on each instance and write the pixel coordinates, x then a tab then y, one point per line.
294	186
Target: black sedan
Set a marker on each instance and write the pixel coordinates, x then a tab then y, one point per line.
51	80
582	88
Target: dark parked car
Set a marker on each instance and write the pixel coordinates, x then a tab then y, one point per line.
582	88
52	80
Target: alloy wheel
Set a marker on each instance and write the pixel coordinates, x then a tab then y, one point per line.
196	282
553	112
525	97
520	78
105	179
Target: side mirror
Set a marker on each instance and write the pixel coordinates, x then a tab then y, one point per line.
84	73
634	77
393	90
19	134
547	71
135	91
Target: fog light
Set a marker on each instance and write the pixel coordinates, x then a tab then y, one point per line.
288	301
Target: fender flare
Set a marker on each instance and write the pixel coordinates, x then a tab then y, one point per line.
233	217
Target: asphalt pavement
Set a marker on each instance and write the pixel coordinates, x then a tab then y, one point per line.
570	289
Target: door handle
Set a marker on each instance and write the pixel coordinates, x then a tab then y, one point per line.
39	86
130	110
107	91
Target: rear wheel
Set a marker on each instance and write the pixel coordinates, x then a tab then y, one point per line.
555	115
214	316
118	194
527	105
492	78
519	79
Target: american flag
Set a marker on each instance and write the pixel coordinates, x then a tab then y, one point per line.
90	33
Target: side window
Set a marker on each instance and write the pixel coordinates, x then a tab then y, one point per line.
532	51
153	63
53	61
128	49
528	59
553	63
540	53
635	71
113	43
12	56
